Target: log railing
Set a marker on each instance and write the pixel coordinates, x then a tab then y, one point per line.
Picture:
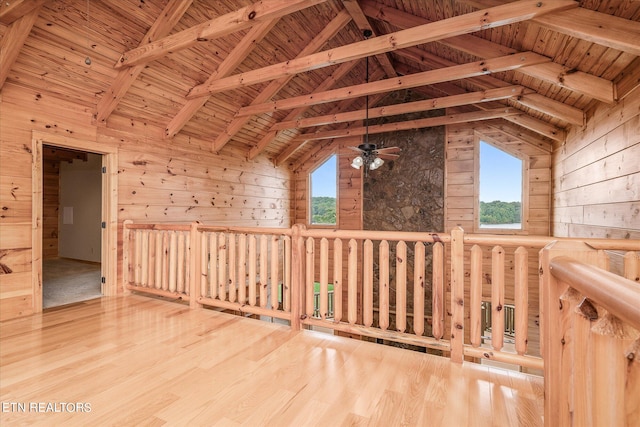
156	259
374	292
591	344
420	289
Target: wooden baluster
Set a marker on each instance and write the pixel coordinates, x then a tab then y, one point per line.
264	269
173	260
367	283
253	271
137	260
287	273
337	280
310	273
204	264
457	295
152	260
181	263
222	267
475	298
352	283
165	261
418	288
401	286
192	266
383	290
437	291
497	297
213	265
324	278
275	266
144	268
126	255
242	268
158	266
233	268
521	275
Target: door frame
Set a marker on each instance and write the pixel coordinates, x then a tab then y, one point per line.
109	233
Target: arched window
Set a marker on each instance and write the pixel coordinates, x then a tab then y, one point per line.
500	189
323	185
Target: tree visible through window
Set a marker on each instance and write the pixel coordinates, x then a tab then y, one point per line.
323	189
500	189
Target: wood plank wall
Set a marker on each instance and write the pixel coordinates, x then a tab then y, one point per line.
158	180
596	174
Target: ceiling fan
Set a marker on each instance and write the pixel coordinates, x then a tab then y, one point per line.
372	157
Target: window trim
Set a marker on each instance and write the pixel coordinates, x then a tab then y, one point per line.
476	187
312	169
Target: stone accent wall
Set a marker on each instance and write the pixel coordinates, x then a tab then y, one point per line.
407	194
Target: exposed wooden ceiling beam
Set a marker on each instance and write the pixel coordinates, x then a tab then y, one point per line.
404	108
11	11
235	57
231	22
360	19
578	81
540	127
517	132
475	21
629	79
275	86
169	17
411	124
529	99
456	72
536	139
484	82
595	27
336	76
297	143
13	40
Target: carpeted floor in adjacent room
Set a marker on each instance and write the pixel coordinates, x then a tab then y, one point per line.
66	281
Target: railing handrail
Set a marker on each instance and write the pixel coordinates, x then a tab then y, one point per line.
618	295
245	230
407	236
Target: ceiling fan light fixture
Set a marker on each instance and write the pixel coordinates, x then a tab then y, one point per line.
357	163
377	162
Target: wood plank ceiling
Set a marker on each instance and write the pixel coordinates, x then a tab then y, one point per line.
277	76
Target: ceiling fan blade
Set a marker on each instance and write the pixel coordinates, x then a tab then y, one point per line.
389	150
355	149
387	156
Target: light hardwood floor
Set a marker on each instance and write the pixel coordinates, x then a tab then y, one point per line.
141	361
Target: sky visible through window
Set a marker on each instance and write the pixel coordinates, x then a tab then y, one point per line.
324	179
500	175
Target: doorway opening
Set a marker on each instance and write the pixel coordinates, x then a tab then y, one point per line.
71	226
74	217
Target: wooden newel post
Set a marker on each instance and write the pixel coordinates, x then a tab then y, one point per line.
298	256
457	295
195	266
126	255
555	331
